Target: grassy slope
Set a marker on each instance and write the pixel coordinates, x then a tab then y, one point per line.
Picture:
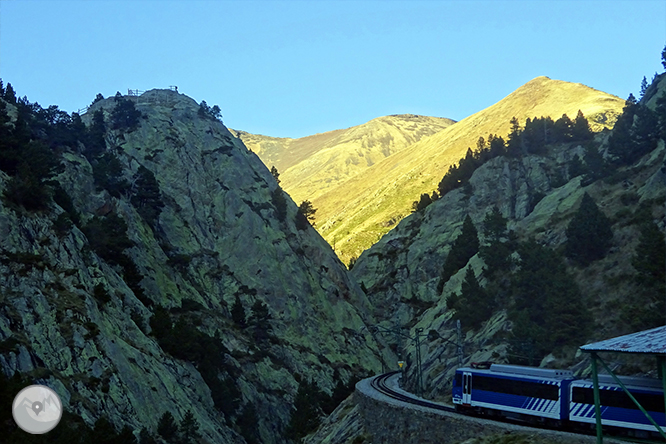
284	153
353	151
357	213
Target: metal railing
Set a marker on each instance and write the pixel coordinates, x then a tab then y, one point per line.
135	94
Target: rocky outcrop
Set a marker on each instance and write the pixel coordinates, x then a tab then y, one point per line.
70	319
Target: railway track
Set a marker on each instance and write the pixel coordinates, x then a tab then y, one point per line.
379	384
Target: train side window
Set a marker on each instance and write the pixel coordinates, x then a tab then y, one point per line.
518	388
458	380
617	398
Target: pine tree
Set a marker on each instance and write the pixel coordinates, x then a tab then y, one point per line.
146	196
10	95
276	174
474	305
280	204
547	311
307	209
167	428
305	215
580	130
497	147
576	167
247	423
306	412
496	250
95	142
562	129
513	146
596	165
589	233
644	87
97	98
650	257
259	321
125	116
422	203
238	312
189	429
463	248
108	174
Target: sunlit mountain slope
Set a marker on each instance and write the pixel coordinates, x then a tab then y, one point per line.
355	214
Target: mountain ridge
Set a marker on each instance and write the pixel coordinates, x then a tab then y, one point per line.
384	193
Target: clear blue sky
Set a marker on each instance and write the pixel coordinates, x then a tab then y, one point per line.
294	68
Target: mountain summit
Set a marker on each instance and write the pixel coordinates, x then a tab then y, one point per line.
355	210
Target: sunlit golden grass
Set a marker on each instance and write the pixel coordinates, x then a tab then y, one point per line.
358	202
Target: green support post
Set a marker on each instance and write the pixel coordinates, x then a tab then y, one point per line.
638	404
662	368
597	399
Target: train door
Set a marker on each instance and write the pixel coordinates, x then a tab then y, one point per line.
467	388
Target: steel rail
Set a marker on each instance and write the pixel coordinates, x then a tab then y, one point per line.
379	384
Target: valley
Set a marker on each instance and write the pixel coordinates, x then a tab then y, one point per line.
167	285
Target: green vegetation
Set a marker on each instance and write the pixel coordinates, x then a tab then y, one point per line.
542	300
589	234
101	294
306	413
498	246
258	322
463	248
474	305
107	237
537	134
205	111
125	116
547	310
635	133
305	215
187	432
424	201
108	174
181	339
275	174
238	313
146	196
646	306
280	204
31	149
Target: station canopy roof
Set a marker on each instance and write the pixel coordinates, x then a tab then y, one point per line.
649	342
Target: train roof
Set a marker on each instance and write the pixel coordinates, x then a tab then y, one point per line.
519	370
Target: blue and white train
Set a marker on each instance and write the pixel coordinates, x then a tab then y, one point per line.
557	398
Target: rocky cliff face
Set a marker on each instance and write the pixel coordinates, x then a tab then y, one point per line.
79	322
538	195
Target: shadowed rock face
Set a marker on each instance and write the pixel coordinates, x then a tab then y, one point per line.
216	237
